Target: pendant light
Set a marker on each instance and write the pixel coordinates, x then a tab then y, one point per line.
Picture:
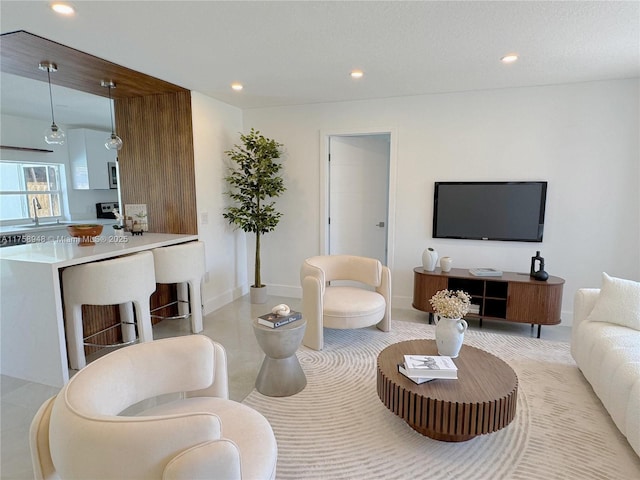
53	135
114	142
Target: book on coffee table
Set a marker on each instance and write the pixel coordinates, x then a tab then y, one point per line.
418	380
273	320
430	366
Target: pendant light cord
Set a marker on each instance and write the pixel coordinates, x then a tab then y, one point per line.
53	120
113	130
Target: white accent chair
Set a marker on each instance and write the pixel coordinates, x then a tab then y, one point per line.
183	265
127	281
366	303
81	432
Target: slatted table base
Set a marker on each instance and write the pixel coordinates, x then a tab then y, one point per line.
450	410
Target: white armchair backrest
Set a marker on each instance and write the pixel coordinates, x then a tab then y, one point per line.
345	267
88	439
115	382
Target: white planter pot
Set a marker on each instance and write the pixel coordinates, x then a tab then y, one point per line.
449	335
258	294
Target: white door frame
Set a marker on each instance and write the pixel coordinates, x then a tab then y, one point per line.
324	185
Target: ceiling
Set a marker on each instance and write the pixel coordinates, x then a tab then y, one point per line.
301	52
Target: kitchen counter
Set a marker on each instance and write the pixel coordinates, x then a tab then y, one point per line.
33	343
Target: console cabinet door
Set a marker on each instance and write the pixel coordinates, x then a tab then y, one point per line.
425	287
530	303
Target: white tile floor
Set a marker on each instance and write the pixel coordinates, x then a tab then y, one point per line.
231	326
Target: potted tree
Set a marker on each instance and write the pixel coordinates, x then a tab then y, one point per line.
254	178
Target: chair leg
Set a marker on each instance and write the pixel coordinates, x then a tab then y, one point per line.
128	322
182	290
195	306
143	321
75	342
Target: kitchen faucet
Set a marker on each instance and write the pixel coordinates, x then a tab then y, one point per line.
36	207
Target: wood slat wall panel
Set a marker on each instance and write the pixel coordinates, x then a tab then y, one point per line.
156	161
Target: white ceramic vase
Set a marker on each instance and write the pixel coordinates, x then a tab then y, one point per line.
429	259
445	264
449	335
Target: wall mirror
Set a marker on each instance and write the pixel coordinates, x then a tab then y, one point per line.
80	101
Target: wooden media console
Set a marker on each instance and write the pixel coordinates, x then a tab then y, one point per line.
512	297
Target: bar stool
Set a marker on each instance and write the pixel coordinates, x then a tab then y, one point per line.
183	265
120	281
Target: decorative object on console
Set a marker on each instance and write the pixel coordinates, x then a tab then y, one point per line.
539	274
485	272
450	307
429	259
85	233
446	264
254	179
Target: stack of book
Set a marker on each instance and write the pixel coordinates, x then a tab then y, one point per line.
485	272
424	368
273	320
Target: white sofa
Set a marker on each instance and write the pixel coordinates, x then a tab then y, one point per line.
606	346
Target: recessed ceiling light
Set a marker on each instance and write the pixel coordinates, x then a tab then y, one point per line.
237	86
512	57
63	8
356	74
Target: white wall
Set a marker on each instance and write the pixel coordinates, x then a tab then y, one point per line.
27	132
216	128
581	138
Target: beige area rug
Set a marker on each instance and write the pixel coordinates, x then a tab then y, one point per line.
337	427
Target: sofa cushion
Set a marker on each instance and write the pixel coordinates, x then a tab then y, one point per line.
618	302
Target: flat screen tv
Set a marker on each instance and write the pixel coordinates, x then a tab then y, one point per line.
510	211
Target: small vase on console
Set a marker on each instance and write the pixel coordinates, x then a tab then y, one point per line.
429	259
449	335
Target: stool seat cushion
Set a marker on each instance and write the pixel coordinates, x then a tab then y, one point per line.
240	424
352	307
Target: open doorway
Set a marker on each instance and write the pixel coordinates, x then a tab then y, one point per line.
358	213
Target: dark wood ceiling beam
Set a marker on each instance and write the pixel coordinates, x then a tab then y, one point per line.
21	52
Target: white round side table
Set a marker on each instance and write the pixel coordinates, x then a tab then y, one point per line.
281	374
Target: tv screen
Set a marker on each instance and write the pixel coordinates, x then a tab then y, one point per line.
512	211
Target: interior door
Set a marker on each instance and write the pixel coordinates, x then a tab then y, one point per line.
359	195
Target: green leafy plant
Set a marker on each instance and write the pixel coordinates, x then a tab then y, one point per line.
254	178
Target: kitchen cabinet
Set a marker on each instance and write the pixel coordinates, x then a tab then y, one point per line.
90	159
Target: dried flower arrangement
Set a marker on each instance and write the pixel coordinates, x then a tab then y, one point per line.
451	304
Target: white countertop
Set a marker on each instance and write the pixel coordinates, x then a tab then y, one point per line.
66	253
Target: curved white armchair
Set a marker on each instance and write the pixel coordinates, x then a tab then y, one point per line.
366	303
80	433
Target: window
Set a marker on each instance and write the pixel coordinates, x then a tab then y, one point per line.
29	189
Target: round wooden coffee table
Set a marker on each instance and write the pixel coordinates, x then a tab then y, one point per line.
482	399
